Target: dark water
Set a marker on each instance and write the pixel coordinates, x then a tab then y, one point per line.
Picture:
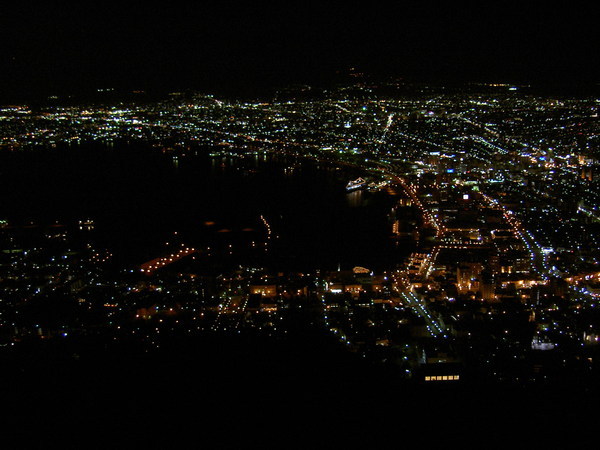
139	196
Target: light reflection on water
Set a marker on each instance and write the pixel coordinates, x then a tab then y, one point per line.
355	198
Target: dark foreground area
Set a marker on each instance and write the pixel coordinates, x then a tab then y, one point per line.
213	392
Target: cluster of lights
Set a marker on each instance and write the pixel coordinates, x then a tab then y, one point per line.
150	267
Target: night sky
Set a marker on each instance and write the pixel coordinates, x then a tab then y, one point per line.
59	47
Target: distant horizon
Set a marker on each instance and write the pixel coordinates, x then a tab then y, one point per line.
115	92
244	47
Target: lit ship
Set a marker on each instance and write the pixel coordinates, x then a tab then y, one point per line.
356	184
375	186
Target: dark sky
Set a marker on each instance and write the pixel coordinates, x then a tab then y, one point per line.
56	47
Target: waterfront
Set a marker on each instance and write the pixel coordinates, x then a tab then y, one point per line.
138	197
